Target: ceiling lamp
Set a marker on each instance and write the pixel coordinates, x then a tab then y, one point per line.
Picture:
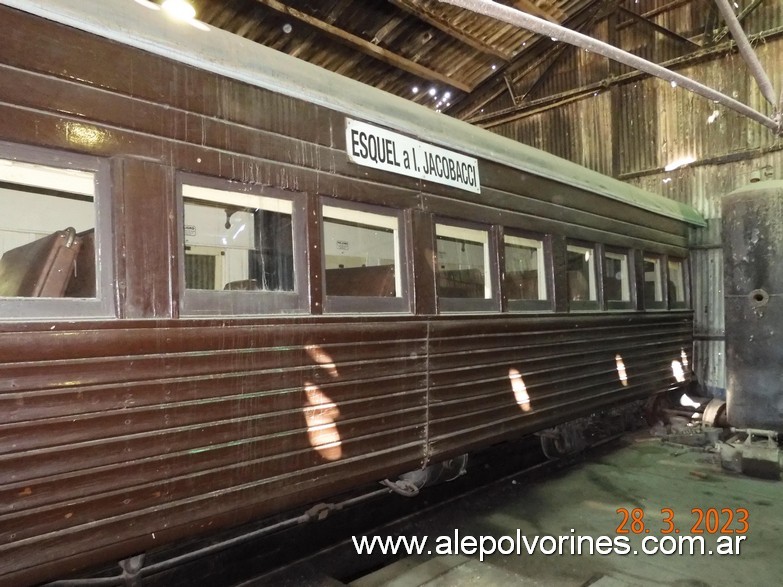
179	9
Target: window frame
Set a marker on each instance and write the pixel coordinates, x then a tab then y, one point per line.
612	305
195	302
492	273
662	273
686	303
590	305
544	258
401	304
103	305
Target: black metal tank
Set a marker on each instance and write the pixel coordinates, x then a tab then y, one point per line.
753	290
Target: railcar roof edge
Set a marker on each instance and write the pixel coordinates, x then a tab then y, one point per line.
229	55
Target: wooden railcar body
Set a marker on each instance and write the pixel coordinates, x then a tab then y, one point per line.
135	423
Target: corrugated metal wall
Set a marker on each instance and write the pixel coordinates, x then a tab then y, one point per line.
632	131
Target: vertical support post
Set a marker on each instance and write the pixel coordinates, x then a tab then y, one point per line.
147	274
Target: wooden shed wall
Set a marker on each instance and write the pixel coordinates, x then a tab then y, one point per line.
631	131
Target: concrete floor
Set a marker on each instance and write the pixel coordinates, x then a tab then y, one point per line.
583	501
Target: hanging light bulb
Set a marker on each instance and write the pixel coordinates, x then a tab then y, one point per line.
179	9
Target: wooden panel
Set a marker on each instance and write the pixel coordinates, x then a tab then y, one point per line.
576	225
423	261
116	537
145	209
196	423
44	47
567	364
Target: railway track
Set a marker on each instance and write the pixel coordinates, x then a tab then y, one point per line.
323	553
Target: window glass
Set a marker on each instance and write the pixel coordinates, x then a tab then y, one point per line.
47	231
653	281
581	273
524	272
676	281
361	252
462	262
237	241
616	282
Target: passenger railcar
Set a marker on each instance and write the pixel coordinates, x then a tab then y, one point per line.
233	283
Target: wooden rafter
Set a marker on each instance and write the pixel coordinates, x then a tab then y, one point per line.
539	105
556	56
543	52
656	11
658	28
412	7
710	22
367	47
530	8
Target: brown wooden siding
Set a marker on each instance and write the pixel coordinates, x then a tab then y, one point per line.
108	442
118	432
566	365
119	435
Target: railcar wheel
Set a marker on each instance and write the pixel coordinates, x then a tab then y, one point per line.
563	440
453	468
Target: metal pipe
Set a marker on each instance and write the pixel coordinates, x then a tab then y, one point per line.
316	512
747	52
740	17
543	27
541	104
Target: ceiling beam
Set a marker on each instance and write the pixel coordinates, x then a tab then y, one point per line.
531	8
710	22
656	11
658	28
537	25
542	49
366	47
542	76
443	26
518	112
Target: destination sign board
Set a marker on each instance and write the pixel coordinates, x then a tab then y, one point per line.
379	148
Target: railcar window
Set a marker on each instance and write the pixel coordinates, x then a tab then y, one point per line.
581	274
361	253
237	241
462	262
239	252
617	286
524	270
47	231
653	282
676	285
